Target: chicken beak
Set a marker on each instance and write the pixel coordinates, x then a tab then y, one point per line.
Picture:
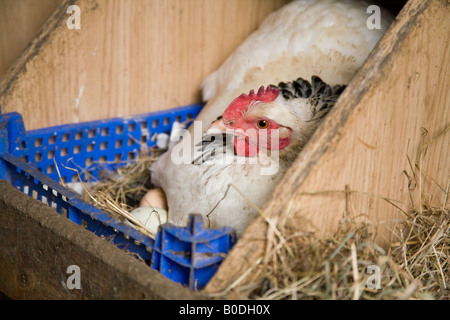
217	126
242	146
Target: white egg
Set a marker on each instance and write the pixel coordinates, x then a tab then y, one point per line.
154	198
151	217
162	140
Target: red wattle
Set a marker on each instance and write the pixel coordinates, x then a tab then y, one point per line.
283	143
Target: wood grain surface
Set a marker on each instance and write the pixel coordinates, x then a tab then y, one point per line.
20	21
128	57
394	116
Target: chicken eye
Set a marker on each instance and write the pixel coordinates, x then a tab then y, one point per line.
263	124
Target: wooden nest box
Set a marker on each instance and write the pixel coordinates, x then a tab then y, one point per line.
391	119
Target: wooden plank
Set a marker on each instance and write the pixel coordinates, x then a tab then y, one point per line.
364	142
20	21
38	245
129	57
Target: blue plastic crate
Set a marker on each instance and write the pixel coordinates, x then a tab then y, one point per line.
198	251
189	255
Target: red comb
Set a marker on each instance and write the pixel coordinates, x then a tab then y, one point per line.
240	103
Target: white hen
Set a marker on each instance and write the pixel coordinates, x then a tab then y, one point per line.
326	38
306	38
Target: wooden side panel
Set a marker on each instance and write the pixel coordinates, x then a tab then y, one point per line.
128	57
38	245
20	21
364	142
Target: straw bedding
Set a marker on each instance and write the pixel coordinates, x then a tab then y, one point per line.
347	265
